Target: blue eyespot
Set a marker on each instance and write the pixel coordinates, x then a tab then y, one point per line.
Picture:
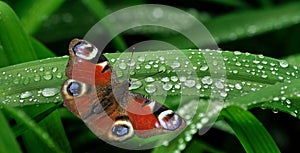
120	130
74	89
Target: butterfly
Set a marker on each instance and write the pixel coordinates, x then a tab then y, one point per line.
94	94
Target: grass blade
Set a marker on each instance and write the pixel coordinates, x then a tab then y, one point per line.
33	13
15	44
21	117
8	143
251	133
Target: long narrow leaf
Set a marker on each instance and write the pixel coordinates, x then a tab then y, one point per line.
251	133
15	45
8	143
33	13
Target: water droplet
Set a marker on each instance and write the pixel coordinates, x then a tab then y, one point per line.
26	94
141	59
147	66
149	79
54	69
135	84
238	86
131	63
198	86
165	143
174	78
238	64
167	86
165	79
47	76
219	85
41	69
175	64
206	80
36	77
122	66
283	63
26	81
204	68
150	88
162	69
181	146
260	67
59	75
223	94
264	76
49	92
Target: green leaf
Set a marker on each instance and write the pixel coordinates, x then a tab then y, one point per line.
251	133
33	13
53	126
293	59
244	24
15	45
41	50
8	143
37	113
21	117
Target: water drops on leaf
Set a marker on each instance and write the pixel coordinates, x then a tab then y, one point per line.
150	88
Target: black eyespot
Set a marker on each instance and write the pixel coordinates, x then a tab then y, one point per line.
120	130
74	89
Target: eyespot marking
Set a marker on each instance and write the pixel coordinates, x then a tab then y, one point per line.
169	120
85	50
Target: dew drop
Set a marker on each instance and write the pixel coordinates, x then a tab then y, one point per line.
162	69
135	84
59	75
147	66
237	53
165	143
260	67
167	86
203	68
238	86
175	64
181	146
47	76
206	80
219	85
122	66
198	86
283	63
150	88
174	78
238	64
49	92
26	94
149	79
165	79
36	77
26	81
54	69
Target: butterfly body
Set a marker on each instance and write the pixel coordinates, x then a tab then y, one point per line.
94	94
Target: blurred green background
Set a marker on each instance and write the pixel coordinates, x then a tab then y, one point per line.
268	27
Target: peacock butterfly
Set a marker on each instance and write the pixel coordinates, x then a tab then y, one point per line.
94	94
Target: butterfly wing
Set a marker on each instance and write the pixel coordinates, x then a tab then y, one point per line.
92	93
149	117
